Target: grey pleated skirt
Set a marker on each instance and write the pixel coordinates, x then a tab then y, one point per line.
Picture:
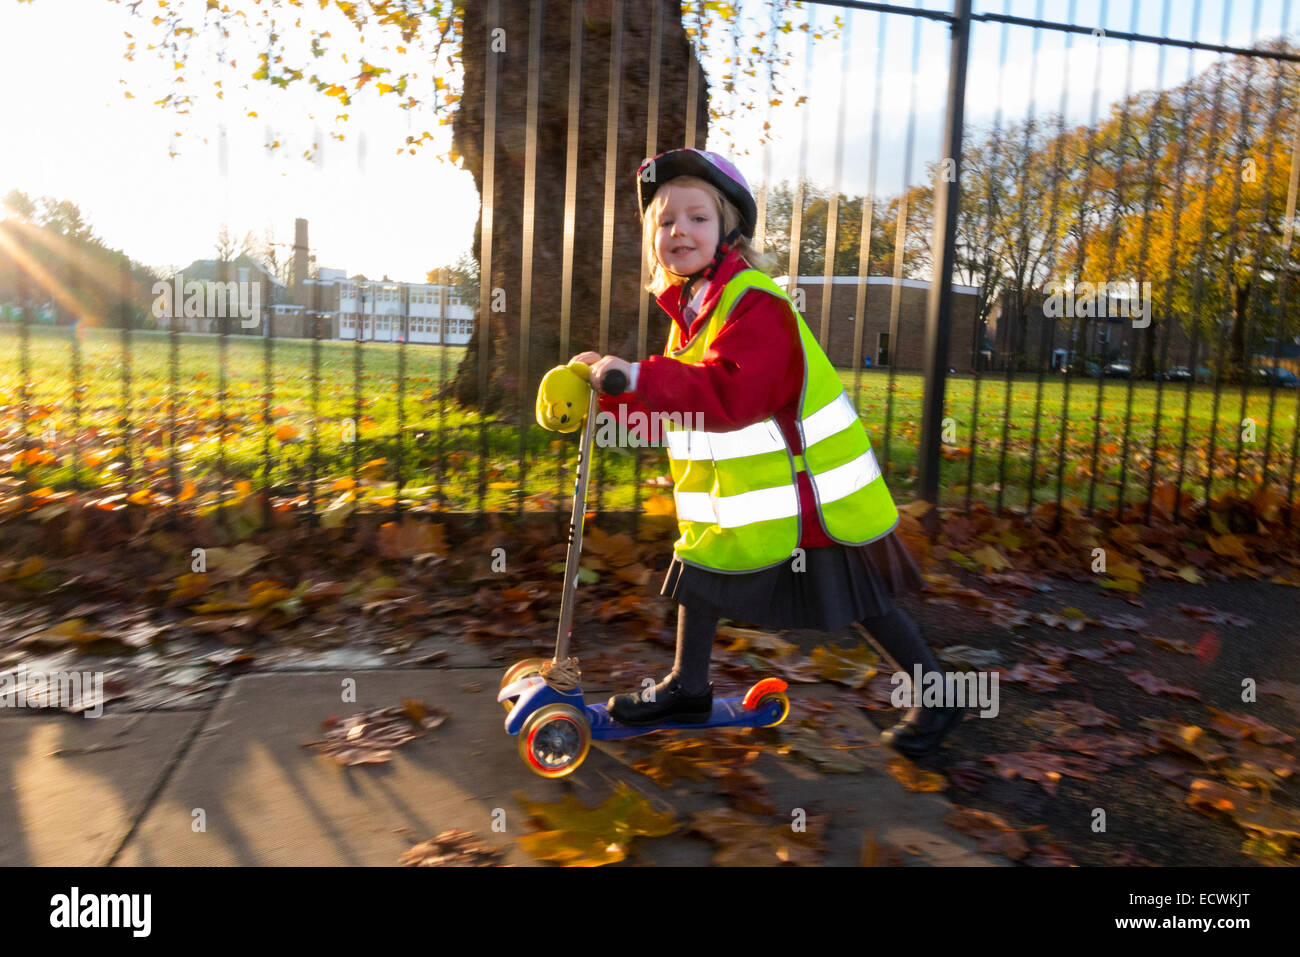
841	584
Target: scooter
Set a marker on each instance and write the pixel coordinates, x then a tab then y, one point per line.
544	700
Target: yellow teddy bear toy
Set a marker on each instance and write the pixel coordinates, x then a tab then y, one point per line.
563	397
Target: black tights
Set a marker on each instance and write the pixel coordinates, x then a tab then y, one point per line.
896	632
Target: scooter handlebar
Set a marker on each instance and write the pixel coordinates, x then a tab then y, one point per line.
613	382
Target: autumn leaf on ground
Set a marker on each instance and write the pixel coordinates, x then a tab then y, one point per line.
971	659
1249	775
747	841
1122	622
1276	762
994	834
370	737
1041	678
1086	715
1247	726
1123	570
1070	617
990	557
1049	854
1050	721
1207	648
761	642
813	745
1228	545
967	775
678	758
878	853
1046	769
852	667
1215	617
1152	684
617	550
1185	737
1177	769
744	790
572	834
412	537
878	694
73	631
187	586
1285	690
452	848
1129	585
1267	822
1110	749
233	562
1173	644
913	778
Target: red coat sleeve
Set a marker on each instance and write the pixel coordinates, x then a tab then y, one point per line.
751	371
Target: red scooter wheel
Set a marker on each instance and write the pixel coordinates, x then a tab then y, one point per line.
554	740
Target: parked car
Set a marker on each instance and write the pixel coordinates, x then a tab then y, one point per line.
1184	374
1120	369
1275	375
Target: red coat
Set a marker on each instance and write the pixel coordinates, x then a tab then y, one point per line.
752	370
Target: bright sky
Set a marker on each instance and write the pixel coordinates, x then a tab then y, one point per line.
72	134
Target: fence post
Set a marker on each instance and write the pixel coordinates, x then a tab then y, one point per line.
938	311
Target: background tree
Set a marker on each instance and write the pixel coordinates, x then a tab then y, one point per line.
50	256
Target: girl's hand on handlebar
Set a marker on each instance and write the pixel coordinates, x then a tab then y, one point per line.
607	365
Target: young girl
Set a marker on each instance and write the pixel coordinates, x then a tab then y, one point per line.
774	455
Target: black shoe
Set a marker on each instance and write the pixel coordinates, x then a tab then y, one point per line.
924	733
670	704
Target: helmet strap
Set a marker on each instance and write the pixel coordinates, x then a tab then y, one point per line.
709	271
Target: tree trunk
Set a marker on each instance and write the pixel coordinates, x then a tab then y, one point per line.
1240	302
499	315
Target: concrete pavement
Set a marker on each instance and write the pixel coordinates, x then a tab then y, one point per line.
232	784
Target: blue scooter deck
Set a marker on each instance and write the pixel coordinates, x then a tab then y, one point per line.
727	712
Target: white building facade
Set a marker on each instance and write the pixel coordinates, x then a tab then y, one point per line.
377	311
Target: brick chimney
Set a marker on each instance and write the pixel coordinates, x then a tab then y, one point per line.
299	296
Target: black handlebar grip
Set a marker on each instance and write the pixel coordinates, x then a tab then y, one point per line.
613	382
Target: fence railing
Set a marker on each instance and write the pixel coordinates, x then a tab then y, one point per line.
1111	303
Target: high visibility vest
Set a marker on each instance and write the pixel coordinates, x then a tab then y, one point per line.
737	493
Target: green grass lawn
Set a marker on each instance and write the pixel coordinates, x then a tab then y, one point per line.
440	443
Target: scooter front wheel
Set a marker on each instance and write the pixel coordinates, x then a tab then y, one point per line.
520	669
554	740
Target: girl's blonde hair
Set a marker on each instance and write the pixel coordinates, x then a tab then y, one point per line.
728	215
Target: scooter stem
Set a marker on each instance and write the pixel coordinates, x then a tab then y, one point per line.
565	629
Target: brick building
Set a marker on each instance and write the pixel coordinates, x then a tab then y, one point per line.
913	294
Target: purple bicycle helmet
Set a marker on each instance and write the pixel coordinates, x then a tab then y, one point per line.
712	168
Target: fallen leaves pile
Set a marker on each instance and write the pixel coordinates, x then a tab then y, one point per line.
452	848
370	738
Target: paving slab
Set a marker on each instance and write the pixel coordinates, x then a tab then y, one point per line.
266	800
74	785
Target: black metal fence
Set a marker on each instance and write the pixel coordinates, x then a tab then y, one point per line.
1124	281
